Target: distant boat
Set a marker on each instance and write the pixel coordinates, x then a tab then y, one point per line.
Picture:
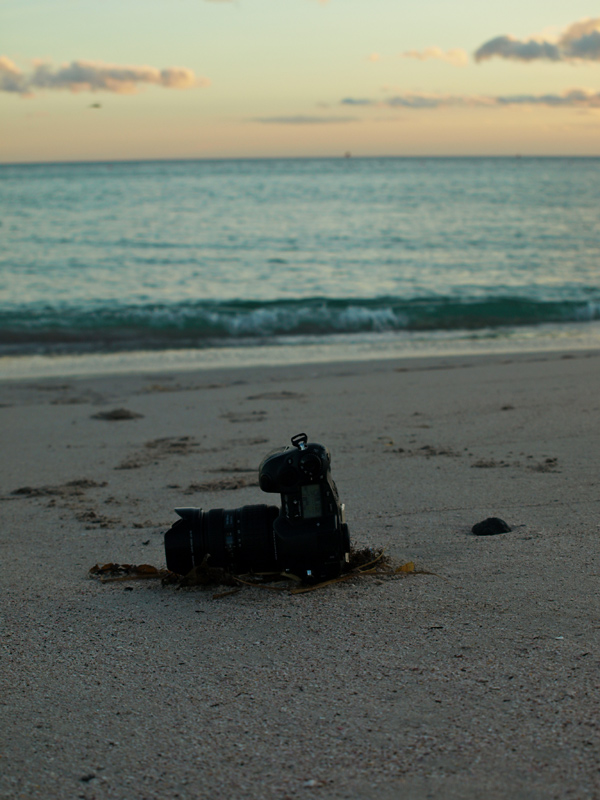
347	154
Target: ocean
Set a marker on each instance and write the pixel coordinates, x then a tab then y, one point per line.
265	261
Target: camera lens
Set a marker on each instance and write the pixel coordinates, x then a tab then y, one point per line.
237	540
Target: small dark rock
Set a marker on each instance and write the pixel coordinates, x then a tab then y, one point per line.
87	778
117	414
490	527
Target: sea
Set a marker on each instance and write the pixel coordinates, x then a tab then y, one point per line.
157	265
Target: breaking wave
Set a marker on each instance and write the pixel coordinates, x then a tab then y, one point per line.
109	327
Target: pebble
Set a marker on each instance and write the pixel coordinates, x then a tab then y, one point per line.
490	527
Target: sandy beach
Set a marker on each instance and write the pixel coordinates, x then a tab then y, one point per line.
478	681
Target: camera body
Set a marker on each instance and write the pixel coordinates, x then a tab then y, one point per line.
310	533
306	537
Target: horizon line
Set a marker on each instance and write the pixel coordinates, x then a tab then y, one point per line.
342	157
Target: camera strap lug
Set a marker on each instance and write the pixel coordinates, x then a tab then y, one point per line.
300	440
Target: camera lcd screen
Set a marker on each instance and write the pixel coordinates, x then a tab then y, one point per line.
311	501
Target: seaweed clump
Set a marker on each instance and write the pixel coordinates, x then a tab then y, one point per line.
362	562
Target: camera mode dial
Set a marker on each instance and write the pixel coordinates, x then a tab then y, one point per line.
310	465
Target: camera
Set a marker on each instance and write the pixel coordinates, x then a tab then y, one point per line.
306	537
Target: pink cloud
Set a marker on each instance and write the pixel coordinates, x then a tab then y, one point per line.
456	56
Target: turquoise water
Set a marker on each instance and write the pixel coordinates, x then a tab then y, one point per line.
115	257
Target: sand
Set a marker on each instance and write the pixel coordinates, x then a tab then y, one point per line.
480	681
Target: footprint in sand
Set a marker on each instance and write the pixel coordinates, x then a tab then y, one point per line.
221	485
252	416
71	489
96	520
158	449
281	395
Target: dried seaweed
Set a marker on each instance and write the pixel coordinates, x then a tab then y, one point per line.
204	575
219	595
361	557
126	572
362	563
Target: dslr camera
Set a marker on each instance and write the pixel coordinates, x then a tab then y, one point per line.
306	537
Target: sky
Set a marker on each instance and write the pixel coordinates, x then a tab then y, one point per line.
85	80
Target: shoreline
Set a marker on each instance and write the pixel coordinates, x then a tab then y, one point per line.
569	337
477	679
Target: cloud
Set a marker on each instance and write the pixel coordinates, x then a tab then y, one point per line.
93	76
507	47
573	98
358	101
416	100
303	120
456	56
579	42
11	77
582	40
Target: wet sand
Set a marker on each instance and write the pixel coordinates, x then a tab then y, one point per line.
480	680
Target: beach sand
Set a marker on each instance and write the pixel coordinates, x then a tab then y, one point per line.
478	681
